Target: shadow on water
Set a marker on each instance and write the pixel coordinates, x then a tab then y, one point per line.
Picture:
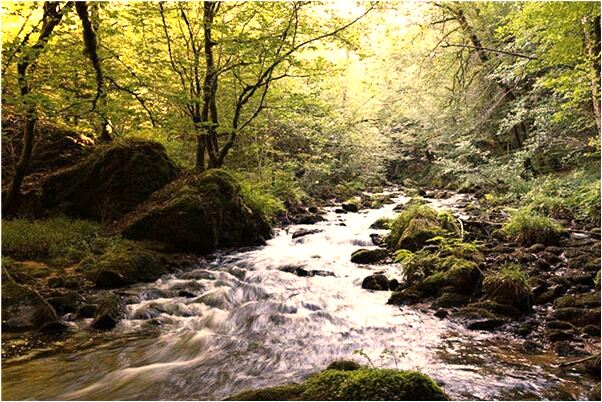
251	324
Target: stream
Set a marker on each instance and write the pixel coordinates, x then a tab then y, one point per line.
250	325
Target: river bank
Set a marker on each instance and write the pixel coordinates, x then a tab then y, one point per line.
276	314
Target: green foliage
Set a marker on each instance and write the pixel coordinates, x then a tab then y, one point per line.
259	199
57	241
527	227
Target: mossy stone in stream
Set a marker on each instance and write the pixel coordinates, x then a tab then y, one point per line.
364	384
417	224
124	263
198	213
462	277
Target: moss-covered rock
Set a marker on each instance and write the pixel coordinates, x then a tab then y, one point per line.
198	213
111	181
417	224
368	256
376	282
363	384
344	365
123	264
461	277
579	316
580	300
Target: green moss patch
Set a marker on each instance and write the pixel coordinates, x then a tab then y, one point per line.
364	384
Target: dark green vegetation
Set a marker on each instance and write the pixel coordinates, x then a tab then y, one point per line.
133	133
352	384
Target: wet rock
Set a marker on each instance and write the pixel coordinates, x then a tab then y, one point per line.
592	366
377	239
579	316
368	256
343	365
394	284
67	302
301	271
555	324
24	309
486	324
536	248
111	181
307	219
496	308
555	335
198	213
406	296
581	300
382	223
595	393
376	282
441	313
110	310
198	274
549	295
55	282
340	211
451	300
592	330
304	232
552	259
350	207
86	310
565	348
531	347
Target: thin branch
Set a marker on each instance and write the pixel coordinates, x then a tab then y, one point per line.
524	56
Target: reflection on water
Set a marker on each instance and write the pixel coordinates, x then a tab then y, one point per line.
250	324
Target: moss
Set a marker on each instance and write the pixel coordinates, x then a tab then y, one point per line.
291	392
582	300
381	223
416	224
527	228
111	181
508	286
364	384
461	275
597	281
123	264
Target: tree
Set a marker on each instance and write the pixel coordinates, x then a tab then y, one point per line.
26	65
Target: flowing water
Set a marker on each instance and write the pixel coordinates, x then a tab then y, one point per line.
252	324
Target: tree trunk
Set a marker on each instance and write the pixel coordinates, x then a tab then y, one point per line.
209	116
27	63
591	33
91	46
521	129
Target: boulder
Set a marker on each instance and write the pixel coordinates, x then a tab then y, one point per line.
24	309
366	256
376	282
198	213
123	264
406	296
110	310
508	291
449	299
381	223
350	207
111	181
462	278
304	232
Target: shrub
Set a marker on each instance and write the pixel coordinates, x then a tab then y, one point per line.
527	227
58	241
